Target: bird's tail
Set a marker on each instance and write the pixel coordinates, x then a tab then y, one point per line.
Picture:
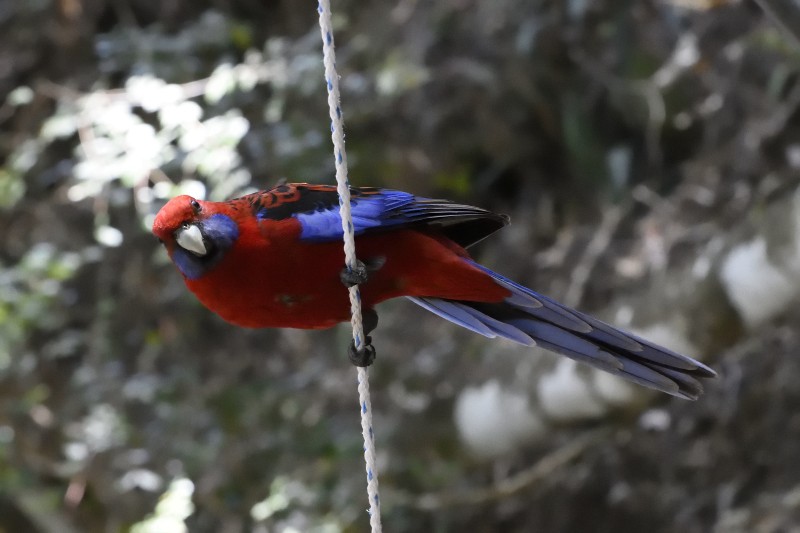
530	318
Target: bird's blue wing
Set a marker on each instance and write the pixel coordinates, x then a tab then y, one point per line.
316	208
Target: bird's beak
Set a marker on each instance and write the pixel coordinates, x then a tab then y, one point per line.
191	238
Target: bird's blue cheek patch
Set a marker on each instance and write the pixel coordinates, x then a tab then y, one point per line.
221	230
219	235
189	264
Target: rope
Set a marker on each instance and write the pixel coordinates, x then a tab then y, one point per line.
343	187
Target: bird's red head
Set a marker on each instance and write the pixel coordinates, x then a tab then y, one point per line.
179	213
196	234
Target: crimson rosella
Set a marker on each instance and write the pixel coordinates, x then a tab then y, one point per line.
274	258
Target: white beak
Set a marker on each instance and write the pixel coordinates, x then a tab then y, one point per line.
191	239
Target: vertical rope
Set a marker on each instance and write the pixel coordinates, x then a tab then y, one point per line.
343	187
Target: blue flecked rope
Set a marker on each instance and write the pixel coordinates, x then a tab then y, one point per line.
343	187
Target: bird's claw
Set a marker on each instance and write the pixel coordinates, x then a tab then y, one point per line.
354	276
363	357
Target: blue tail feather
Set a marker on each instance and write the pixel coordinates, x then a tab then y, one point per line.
472	319
455	313
530	318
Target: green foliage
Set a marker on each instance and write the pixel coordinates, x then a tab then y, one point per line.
30	296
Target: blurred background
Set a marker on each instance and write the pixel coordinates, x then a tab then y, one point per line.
648	153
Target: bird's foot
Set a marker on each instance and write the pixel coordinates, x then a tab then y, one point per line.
363	357
366	355
354	276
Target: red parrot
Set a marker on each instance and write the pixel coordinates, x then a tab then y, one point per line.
274	258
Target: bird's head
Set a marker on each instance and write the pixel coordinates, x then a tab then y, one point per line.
195	233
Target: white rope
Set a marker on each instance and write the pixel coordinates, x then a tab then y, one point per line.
343	187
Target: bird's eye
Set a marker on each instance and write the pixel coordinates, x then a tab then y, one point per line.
195	206
185	225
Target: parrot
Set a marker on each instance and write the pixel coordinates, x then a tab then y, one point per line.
274	259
